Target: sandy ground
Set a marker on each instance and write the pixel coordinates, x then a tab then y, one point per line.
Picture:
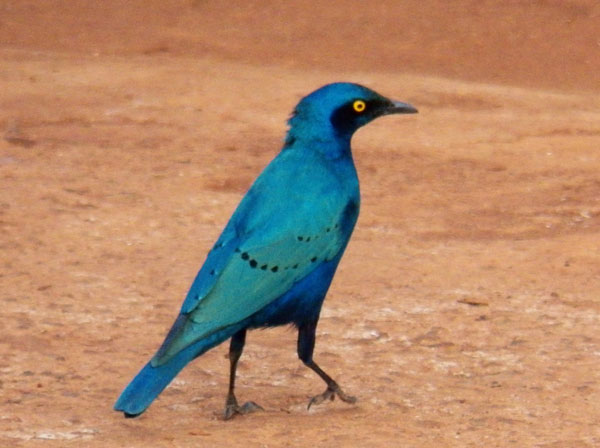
466	310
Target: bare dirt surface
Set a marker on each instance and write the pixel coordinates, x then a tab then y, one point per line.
466	311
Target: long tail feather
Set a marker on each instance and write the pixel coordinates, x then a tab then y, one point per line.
152	380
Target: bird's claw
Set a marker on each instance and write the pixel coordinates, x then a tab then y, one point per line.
330	394
232	409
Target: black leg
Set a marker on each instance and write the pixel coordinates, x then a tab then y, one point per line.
235	352
236	347
306	346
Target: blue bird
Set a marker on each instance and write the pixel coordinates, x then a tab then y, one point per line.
275	259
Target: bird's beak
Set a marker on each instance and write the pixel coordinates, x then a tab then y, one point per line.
396	107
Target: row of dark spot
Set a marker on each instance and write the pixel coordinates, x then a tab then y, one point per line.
307	239
264	267
254	264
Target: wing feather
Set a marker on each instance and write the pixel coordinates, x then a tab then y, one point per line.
287	224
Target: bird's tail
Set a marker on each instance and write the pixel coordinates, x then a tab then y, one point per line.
152	380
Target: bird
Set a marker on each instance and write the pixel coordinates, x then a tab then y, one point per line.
275	259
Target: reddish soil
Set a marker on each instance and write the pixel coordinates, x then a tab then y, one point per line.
466	311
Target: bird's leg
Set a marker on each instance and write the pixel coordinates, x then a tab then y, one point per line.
231	405
306	345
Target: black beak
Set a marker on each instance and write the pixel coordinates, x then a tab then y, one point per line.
396	107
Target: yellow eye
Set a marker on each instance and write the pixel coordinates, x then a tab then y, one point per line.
359	106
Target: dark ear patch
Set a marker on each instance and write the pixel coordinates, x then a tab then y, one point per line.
343	118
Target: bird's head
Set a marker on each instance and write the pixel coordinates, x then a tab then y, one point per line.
335	111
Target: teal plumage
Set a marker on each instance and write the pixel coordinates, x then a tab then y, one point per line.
275	259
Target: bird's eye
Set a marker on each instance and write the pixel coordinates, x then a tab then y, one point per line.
359	106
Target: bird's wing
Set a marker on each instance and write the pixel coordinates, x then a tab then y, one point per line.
284	227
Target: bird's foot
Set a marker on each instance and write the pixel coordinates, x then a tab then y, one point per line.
232	408
329	394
